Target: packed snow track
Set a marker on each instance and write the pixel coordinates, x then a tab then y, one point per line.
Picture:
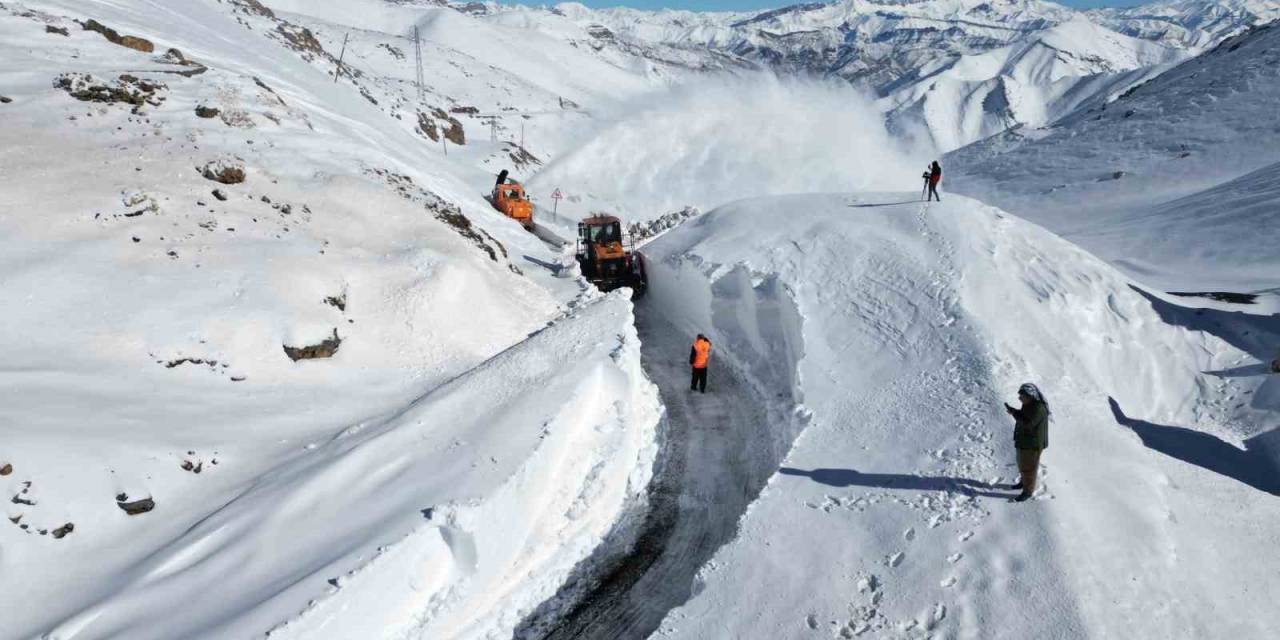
713	462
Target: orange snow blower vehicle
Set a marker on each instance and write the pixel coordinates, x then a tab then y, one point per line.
604	261
509	198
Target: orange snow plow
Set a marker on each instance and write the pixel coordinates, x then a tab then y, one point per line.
603	258
509	198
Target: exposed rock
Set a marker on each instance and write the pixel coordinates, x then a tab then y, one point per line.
393	50
207	112
5	100
254	7
175	56
224	171
467	110
454	133
325	349
428	127
520	156
127	88
337	301
220	194
62	31
301	39
62	531
181	361
6	469
137	506
132	42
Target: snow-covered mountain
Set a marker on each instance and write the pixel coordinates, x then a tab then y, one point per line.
1191	24
950	72
1174	179
1034	81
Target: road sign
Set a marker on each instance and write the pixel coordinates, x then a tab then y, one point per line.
557	195
555	209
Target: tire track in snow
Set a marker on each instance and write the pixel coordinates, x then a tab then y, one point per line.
714	461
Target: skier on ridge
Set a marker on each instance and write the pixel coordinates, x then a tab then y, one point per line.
1030	436
699	356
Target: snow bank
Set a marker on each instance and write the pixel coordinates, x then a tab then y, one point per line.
285	365
916	322
447	518
726	140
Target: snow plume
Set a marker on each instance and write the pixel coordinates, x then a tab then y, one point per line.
730	139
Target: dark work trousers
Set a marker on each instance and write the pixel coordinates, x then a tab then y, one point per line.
933	192
699	382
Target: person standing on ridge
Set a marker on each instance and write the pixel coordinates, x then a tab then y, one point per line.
699	356
935	177
1030	436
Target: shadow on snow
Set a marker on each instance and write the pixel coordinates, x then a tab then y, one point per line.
853	478
1254	465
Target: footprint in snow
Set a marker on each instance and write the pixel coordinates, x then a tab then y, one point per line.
909	534
950	581
965	536
895	559
937	615
955	557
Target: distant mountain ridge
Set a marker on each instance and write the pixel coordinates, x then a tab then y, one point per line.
949	72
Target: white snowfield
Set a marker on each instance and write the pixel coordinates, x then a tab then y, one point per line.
902	327
475	433
360	403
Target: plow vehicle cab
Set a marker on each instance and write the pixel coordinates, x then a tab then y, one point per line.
603	258
510	199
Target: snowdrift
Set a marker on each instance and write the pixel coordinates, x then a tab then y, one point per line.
894	330
445	518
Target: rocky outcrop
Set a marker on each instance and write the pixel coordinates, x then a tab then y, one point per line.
132	42
324	349
127	89
224	171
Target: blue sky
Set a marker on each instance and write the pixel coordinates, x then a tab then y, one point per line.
748	5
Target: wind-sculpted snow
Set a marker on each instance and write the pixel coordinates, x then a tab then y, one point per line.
719	141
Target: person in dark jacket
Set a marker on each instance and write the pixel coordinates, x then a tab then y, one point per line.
935	177
1030	436
699	358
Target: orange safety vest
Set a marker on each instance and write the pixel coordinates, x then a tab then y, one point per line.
702	353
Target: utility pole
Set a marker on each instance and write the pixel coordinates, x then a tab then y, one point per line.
417	47
444	142
522	136
340	57
493	129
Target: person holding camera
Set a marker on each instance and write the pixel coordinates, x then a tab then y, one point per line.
1030	436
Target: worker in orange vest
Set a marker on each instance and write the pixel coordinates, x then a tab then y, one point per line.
699	356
